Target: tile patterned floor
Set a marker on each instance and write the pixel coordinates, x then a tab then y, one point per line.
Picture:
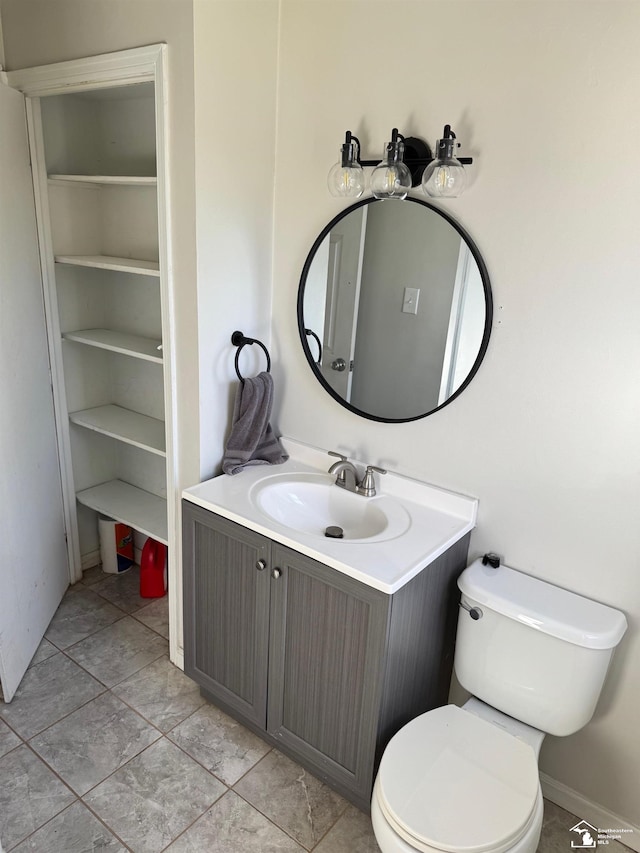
107	746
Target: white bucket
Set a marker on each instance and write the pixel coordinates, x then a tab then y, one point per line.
116	546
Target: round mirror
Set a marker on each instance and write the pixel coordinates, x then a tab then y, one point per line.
394	309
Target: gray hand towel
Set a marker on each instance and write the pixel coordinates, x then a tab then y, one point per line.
252	441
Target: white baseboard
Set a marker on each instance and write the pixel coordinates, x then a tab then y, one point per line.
91	559
593	813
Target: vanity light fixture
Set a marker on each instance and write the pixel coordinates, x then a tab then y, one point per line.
407	162
346	178
445	176
391	178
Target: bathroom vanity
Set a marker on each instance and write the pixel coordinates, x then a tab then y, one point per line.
323	647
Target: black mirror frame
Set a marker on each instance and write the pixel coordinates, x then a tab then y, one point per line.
487	295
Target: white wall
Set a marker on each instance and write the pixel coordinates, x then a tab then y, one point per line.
235	95
543	95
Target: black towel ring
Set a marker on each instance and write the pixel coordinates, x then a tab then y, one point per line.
238	340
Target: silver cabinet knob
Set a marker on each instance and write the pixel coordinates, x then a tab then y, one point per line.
275	573
261	565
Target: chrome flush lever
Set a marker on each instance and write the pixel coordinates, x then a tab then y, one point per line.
474	612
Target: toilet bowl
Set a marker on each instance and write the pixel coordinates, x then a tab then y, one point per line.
459	779
390	842
465	780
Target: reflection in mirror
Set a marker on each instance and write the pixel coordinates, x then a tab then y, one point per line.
399	299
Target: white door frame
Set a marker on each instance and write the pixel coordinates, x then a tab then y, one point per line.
138	65
455	320
341	305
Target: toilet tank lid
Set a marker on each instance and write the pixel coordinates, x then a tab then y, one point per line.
544	606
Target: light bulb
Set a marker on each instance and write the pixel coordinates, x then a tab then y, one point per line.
445	176
346	177
391	178
346	181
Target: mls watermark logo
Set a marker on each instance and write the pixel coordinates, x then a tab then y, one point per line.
588	835
592	837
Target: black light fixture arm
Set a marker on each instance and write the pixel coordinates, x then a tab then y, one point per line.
417	161
448	144
417	154
350	151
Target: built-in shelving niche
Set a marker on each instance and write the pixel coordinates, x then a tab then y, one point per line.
107	131
102	190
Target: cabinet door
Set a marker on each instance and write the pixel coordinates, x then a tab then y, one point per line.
226	615
326	653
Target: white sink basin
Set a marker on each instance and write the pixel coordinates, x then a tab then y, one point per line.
309	503
387	540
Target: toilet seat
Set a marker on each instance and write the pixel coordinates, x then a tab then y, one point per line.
454	782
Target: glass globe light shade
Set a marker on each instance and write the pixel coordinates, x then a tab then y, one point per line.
346	181
391	178
444	178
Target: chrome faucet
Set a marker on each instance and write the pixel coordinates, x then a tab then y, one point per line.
343	468
347	476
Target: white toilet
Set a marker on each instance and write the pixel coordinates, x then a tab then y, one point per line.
465	780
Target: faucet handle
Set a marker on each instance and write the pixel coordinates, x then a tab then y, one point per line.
375	468
368	485
341	478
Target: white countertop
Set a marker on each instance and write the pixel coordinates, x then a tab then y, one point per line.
438	519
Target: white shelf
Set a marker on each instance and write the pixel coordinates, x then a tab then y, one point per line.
125	503
124	425
106	262
133	345
104	180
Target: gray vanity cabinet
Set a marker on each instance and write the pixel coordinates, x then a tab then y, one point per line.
319	664
226	626
326	655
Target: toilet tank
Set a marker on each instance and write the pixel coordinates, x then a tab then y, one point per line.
538	652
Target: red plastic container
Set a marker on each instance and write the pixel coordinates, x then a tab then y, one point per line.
153	578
